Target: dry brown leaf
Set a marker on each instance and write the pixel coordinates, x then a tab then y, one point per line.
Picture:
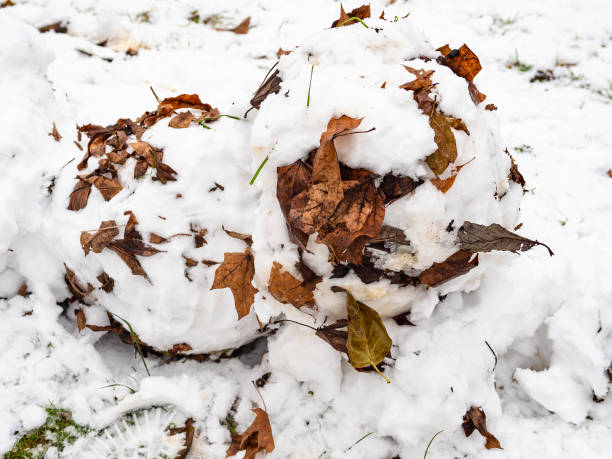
480	238
156	239
141	168
270	85
240	29
515	175
282	52
129	259
23	290
118	157
80	317
75	286
135	247
130	231
108	188
199	240
181	121
333	336
79	195
444	138
236	273
463	62
257	438
190	262
456	265
167	106
108	283
57	27
362	12
165	173
286	288
101	239
247	238
55	133
476	419
188	430
490	107
291	181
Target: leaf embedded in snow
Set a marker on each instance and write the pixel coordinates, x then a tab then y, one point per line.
81	320
129	259
108	187
286	288
79	195
167	106
480	238
240	29
445	184
181	121
74	285
368	342
476	419
291	181
397	186
457	264
236	273
515	175
165	173
444	138
247	238
101	239
257	438
108	283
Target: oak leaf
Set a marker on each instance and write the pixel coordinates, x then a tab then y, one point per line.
480	238
257	438
476	419
286	288
457	264
368	342
236	273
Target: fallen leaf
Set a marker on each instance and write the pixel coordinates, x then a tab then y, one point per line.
445	184
130	231
75	286
101	239
108	283
7	3
118	157
199	239
108	188
167	106
23	290
79	195
165	173
247	238
476	419
490	107
156	239
282	52
236	273
444	138
188	430
257	438
333	336
57	27
463	62
362	12
55	133
190	262
240	29
129	259
291	181
457	264
392	234
181	121
368	342
480	238
135	247
286	288
514	174
397	186
270	85
80	317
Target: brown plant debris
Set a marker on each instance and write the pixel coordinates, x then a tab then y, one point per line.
257	438
55	133
464	63
286	288
476	419
236	273
457	264
480	238
363	12
240	29
270	85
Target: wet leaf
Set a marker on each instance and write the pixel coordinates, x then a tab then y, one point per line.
480	238
108	283
79	195
444	138
181	121
101	238
286	288
368	342
476	419
55	133
240	29
257	438
457	264
362	12
236	273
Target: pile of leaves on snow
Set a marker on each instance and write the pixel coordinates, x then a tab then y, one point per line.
317	194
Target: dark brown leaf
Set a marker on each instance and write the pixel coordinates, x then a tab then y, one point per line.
490	107
236	273
271	85
79	195
74	285
188	430
157	239
463	62
334	337
240	29
286	288
101	239
392	234
107	187
165	173
291	181
257	438
480	238
476	419
108	283
396	186
454	266
57	27
129	259
514	174
141	168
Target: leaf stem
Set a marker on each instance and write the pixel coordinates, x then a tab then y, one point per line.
259	170
354	18
309	85
378	371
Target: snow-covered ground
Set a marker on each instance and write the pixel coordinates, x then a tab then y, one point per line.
548	320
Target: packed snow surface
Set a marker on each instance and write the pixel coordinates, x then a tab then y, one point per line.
548	320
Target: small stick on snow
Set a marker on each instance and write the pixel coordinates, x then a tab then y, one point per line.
494	355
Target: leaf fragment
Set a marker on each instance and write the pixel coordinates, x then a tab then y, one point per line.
456	265
240	29
108	283
363	12
55	133
368	342
445	184
476	419
246	238
270	85
74	285
101	239
480	238
286	288
257	438
335	337
236	273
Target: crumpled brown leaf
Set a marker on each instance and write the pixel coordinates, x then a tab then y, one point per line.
257	438
362	12
74	285
108	187
515	175
480	238
167	106
464	63
291	181
333	336
476	419
108	283
236	273
457	264
270	85
240	29
397	186
101	239
80	195
286	288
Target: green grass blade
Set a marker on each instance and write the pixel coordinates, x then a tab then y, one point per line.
429	444
354	19
135	338
133	391
259	170
309	85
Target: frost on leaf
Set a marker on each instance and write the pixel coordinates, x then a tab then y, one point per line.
476	419
480	238
368	342
286	288
257	438
236	273
457	264
362	12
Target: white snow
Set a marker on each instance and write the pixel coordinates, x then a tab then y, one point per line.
548	320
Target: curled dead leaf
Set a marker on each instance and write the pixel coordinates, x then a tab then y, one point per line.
181	121
236	273
476	419
362	12
80	195
101	238
257	438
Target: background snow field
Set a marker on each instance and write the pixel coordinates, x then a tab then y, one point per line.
526	337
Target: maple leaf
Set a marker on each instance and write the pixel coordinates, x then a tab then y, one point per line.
362	12
257	438
480	238
457	264
368	342
286	288
240	29
181	121
476	419
79	195
101	239
236	273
